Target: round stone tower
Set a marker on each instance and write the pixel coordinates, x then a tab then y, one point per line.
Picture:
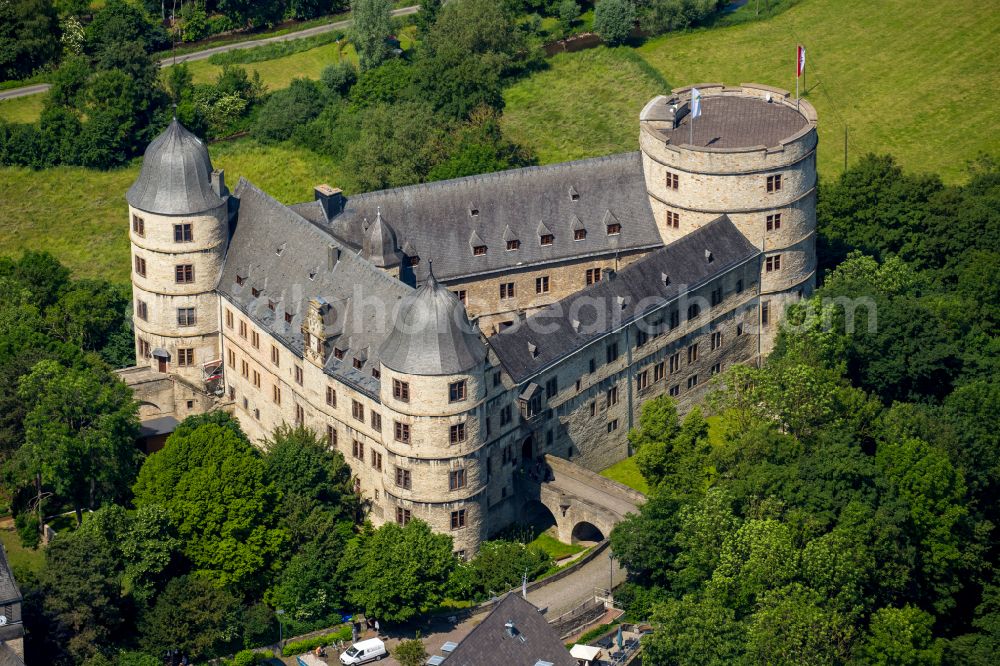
432	378
179	229
751	155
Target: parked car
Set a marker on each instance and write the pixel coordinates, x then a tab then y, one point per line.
363	652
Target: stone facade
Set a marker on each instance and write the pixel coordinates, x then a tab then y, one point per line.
419	446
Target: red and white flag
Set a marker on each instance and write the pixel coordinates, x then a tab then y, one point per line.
800	61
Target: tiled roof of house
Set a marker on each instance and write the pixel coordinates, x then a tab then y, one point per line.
557	330
443	221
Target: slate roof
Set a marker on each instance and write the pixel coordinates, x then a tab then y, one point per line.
729	121
490	644
432	334
8	657
286	259
162	425
176	175
9	592
638	284
435	221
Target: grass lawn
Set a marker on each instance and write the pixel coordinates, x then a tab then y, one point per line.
627	472
556	549
915	79
25	109
89	232
20	558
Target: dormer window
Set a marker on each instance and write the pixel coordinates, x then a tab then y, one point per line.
478	250
665	279
614	229
708	256
240	279
513	244
573	194
473	210
278	250
580	234
255	292
270	305
358	364
338	353
312	275
288	317
413	261
546	239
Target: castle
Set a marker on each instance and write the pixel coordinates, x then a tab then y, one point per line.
439	335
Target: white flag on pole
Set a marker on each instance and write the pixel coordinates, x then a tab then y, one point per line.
695	103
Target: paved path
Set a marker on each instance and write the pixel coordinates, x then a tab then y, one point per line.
201	55
566	594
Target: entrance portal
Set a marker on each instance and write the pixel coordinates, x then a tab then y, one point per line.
528	449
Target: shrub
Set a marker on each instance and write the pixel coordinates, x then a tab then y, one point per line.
244	658
289	109
306	644
614	20
339	77
28	525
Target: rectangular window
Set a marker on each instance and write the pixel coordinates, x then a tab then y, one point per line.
542	285
456	479
675	319
593	276
358	450
716	340
479	250
300	415
245	368
402	432
765	312
580	234
402	516
243	329
772	263
692	381
232	358
611	352
185	317
256	379
229	318
693	353
185	357
458	519
506	290
716	297
338	353
739	329
413	261
288	317
505	415
675	390
144	349
546	239
138	225
377	460
358	410
675	362
376	421
672	180
331	396
613	425
614	229
693	311
140	266
457	434
275	358
659	371
551	387
141	310
513	244
331	435
774	222
611	397
593	365
673	219
184	273
182	233
276	394
641	337
462	296
642	380
716	369
403	478
456	391
593	407
739	286
298	375
774	183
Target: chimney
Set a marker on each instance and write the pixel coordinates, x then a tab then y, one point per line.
332	256
609	273
331	198
218	179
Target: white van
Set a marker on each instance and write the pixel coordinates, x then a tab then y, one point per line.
362	652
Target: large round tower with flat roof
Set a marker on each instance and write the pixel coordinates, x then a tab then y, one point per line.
751	155
432	378
178	209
